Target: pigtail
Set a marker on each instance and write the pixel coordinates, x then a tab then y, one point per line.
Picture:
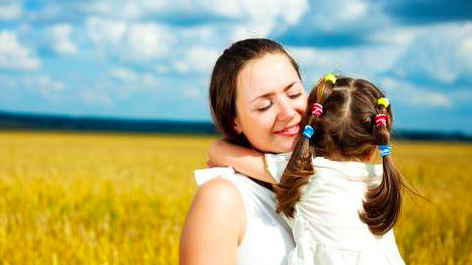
382	204
300	168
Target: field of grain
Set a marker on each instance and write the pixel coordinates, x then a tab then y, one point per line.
122	199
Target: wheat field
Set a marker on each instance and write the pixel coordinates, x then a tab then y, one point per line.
70	198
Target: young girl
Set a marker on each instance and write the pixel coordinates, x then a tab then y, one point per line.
340	208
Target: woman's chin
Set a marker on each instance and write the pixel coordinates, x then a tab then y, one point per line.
287	145
292	145
277	144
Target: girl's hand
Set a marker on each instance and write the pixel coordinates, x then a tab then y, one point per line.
246	161
218	153
210	163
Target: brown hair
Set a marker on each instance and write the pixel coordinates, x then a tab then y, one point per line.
223	82
347	130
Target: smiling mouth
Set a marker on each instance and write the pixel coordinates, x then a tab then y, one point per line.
290	131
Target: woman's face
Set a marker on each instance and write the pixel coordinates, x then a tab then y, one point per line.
270	103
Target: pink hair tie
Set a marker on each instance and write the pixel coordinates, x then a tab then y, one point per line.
317	109
381	120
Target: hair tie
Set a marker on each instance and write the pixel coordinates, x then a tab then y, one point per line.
330	77
381	120
317	109
385	150
383	101
308	132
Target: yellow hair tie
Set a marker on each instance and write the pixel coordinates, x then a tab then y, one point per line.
383	101
331	77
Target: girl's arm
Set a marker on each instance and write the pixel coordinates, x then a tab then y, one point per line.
248	162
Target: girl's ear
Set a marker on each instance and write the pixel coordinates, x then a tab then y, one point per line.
369	154
237	125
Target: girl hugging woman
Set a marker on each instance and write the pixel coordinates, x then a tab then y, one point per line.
340	207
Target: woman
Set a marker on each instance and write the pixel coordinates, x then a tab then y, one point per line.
257	100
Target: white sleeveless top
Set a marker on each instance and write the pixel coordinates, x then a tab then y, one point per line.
326	224
267	239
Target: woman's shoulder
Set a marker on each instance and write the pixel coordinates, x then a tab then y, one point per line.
220	189
217	190
218	200
242	182
214	186
224	179
217	206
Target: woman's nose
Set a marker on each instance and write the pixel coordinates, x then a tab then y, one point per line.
286	110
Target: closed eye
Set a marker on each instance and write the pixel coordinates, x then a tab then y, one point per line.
264	108
295	95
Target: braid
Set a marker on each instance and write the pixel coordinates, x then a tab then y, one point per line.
382	204
300	168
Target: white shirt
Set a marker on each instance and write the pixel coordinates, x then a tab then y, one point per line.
326	224
267	239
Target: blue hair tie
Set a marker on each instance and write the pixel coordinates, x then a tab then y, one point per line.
308	131
385	150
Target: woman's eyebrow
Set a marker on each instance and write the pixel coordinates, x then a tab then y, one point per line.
272	93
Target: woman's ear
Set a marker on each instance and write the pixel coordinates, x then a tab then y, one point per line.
237	125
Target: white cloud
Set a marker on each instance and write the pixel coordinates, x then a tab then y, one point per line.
263	17
95	97
123	74
15	56
202	58
116	9
271	10
8	81
105	30
353	10
369	63
464	51
200	34
162	68
260	10
41	82
198	59
191	93
396	35
149	40
45	82
439	52
60	38
463	96
341	15
252	30
181	66
10	11
353	61
407	93
134	77
131	41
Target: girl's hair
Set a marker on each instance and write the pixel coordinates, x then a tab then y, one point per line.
347	129
224	81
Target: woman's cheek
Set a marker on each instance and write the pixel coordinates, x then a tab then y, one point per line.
301	104
268	120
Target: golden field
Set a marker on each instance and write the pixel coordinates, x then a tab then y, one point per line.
70	198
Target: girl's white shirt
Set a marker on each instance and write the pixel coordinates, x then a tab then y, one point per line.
326	224
267	238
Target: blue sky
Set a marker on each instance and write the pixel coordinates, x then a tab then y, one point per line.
152	59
